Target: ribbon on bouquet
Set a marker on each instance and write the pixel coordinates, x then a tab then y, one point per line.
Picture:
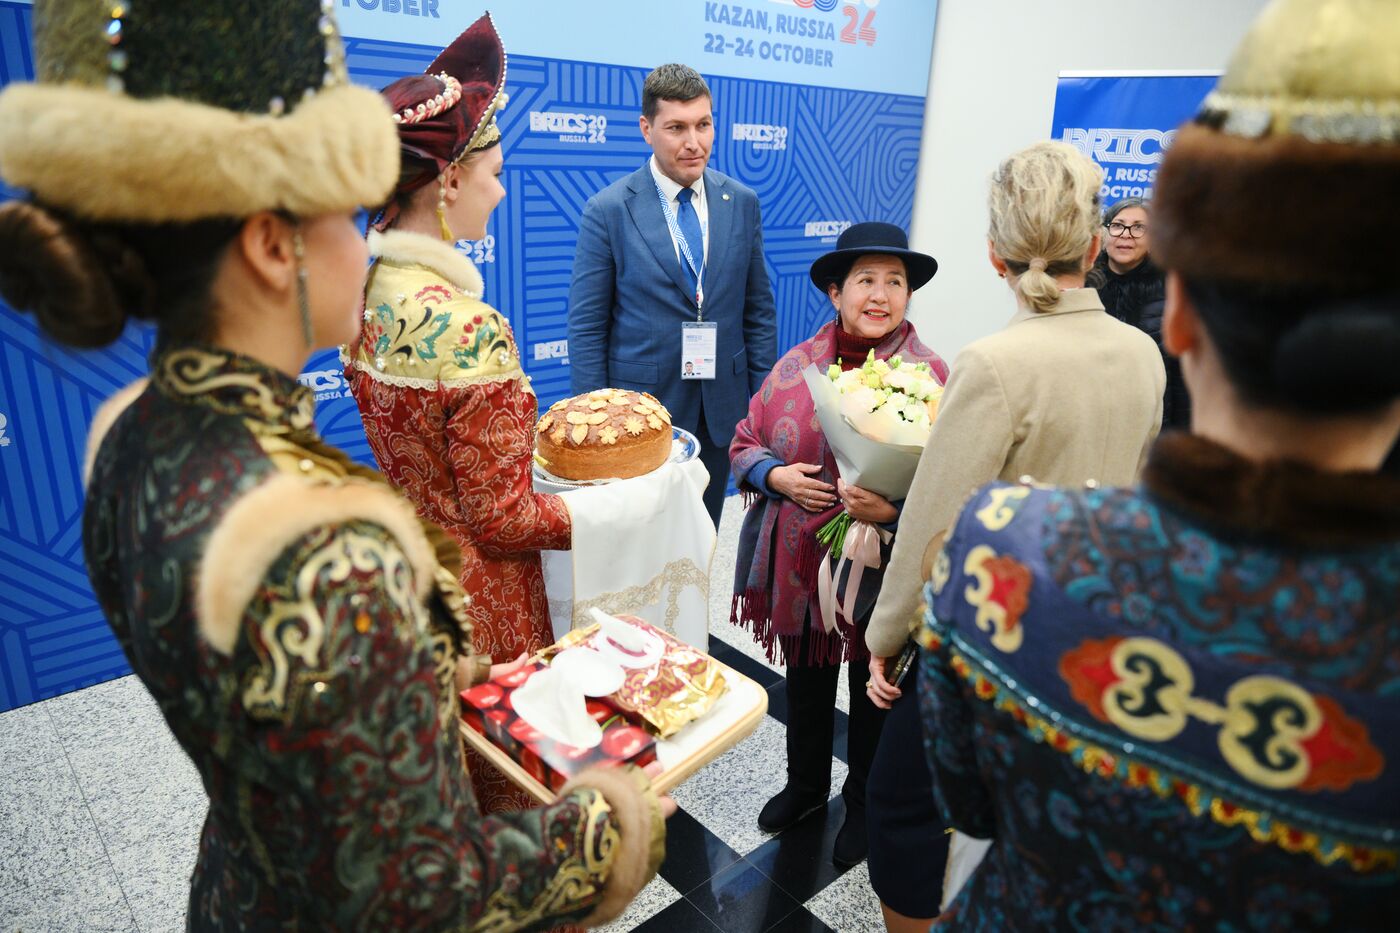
862	551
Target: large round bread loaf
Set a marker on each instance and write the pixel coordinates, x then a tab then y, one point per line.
604	434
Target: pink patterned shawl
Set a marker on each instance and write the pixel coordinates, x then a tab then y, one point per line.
775	579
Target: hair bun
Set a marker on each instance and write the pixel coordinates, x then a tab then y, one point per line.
1340	358
80	285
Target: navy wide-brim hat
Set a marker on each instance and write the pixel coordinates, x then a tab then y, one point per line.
863	240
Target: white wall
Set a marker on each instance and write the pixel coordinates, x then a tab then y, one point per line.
992	91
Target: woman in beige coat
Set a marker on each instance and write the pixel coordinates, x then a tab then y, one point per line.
1064	394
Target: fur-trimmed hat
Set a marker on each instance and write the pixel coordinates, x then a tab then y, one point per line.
1280	177
451	108
184	110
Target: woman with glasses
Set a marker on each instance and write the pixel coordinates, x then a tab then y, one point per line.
1124	274
1131	288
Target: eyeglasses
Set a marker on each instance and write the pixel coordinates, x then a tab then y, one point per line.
1135	231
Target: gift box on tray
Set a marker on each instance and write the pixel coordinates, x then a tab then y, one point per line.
488	710
616	692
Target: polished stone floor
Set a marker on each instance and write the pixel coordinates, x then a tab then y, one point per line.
100	813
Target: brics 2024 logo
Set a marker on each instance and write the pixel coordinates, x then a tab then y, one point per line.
591	128
826	230
326	383
762	135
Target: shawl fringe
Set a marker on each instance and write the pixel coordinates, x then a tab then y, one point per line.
751	610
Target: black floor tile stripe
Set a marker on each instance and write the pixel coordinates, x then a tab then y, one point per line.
768	889
754	670
798	860
694	855
741	899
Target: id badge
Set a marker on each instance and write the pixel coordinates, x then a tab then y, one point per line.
699	340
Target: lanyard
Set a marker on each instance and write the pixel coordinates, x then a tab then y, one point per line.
679	237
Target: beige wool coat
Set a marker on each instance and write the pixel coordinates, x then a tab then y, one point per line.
1062	396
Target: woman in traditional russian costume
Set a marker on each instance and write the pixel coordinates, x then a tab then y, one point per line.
300	628
448	411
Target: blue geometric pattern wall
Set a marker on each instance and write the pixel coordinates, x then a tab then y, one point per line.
819	158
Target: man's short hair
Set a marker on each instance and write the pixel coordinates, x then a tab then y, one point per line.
671	82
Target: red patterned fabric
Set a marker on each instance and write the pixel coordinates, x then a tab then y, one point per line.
451	420
463	456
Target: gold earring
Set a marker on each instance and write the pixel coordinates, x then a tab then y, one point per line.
444	229
303	292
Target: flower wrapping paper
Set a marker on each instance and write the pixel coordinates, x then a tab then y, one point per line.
876	450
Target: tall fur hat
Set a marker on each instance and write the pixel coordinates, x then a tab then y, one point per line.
184	110
1280	177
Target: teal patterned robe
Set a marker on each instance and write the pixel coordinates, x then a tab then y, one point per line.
1174	707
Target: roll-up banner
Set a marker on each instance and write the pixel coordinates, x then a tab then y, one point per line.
1125	120
819	107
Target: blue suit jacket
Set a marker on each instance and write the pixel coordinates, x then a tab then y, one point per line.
628	300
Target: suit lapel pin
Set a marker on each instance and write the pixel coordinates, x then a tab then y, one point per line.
725	197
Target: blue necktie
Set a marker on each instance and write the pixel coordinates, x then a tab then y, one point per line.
689	222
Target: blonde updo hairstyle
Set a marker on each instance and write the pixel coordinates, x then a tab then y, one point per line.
1044	207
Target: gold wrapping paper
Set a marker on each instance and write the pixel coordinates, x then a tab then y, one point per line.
680	688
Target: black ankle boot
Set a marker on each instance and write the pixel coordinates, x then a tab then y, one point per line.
851	844
788	808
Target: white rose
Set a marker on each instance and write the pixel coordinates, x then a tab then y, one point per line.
901	379
864	399
848	380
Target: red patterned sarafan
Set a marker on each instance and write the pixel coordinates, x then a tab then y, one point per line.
1088	670
1340	752
1000	595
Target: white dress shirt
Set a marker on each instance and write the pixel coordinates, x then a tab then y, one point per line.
672	190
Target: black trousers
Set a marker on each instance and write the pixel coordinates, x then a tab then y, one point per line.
907	864
811	728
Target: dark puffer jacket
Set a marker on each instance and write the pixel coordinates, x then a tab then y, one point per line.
1137	297
1176	401
1124	296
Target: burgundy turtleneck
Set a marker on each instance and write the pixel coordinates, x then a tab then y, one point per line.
851	350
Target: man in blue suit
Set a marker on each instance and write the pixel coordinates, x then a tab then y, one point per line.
673	253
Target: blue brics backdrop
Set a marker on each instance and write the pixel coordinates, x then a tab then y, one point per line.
819	107
1124	121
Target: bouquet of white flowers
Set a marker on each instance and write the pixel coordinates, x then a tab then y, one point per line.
889	402
876	420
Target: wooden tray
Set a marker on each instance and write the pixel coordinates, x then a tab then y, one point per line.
741	722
